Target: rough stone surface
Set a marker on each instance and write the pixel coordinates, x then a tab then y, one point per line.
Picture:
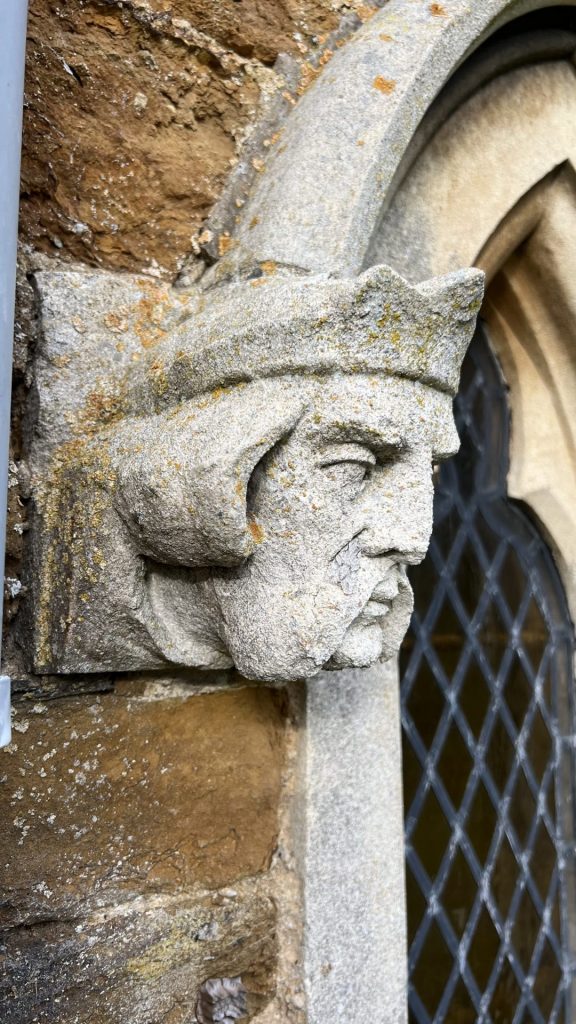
137	109
134	835
264	525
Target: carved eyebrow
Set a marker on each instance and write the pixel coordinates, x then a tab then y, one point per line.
385	440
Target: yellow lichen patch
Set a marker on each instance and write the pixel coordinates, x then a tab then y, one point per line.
268	267
438	10
159	378
162	956
256	530
61	361
225	244
384	85
360	142
115	322
386	38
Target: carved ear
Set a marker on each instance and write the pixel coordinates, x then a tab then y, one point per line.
182	476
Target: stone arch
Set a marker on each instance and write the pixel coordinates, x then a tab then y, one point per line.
490	181
319	201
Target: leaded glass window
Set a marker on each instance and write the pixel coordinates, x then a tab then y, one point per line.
488	720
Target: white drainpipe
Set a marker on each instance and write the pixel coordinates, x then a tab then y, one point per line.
13	14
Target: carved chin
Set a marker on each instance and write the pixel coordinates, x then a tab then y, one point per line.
375	639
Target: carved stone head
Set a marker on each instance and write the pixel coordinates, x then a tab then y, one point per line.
262	484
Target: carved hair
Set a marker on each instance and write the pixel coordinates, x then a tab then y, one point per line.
182	477
183	469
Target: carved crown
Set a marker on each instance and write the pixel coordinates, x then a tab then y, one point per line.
377	323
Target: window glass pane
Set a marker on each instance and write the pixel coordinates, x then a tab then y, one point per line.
486	680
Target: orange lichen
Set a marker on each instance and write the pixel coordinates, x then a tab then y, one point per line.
269	267
115	322
225	244
150	311
256	530
385	85
365	12
310	71
438	10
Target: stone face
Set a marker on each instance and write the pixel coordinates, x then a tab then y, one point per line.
136	834
264	479
140	215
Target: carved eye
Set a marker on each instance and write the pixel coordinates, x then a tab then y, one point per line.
350	468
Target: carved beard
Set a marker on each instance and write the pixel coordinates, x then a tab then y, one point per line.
372	637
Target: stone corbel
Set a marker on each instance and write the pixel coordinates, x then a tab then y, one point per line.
238	477
239	473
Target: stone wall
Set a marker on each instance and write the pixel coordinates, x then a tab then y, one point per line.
136	110
137	832
141	818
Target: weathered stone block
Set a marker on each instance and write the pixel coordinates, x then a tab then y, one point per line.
136	835
248	488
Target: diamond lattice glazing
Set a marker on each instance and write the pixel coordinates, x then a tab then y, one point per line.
488	743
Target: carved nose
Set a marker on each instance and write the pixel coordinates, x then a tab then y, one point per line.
408	554
400	523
